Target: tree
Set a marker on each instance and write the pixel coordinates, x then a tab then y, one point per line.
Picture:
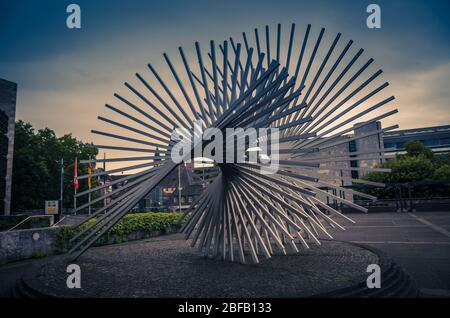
418	164
442	159
442	173
410	169
36	173
416	148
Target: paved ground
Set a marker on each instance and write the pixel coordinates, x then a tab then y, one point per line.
419	242
168	267
10	273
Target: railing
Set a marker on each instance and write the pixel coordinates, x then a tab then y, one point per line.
24	220
404	199
59	221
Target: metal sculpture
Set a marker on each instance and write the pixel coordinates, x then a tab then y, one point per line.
313	97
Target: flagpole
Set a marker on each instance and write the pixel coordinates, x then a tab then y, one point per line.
179	187
75	185
62	187
105	178
89	185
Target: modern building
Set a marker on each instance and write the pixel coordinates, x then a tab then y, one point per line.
369	140
179	189
436	138
8	93
334	154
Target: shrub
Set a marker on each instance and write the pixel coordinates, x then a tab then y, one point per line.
143	223
442	173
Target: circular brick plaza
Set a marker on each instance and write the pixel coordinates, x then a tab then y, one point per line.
167	266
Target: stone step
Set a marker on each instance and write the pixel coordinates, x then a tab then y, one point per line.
404	288
395	283
24	290
21	291
389	281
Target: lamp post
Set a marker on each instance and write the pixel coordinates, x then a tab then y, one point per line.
179	188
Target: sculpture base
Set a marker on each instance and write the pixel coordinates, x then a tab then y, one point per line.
166	266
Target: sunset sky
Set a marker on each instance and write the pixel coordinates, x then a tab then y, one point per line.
66	76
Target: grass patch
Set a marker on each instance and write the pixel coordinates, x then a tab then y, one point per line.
38	254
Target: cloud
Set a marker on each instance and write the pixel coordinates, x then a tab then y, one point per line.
423	97
65	77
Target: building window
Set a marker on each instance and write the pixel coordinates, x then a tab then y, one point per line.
169	190
389	145
352	146
445	141
431	142
400	145
355	173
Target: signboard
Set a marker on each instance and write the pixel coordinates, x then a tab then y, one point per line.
51	207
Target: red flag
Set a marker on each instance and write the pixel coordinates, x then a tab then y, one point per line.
75	175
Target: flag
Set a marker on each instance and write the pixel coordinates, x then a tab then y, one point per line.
89	174
75	174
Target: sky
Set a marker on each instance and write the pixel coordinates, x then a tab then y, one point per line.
65	76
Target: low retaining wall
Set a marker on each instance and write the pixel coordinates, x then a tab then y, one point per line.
34	243
30	243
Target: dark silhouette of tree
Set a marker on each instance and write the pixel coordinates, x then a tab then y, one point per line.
418	164
36	172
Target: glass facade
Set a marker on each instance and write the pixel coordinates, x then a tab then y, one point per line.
434	138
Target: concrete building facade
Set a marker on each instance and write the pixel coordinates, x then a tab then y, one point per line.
342	159
8	94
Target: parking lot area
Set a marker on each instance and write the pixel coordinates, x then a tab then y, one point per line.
419	242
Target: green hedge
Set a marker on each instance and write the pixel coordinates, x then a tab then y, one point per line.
143	223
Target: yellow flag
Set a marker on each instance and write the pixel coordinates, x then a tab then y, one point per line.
89	175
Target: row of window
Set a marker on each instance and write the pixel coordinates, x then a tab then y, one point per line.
427	142
184	199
